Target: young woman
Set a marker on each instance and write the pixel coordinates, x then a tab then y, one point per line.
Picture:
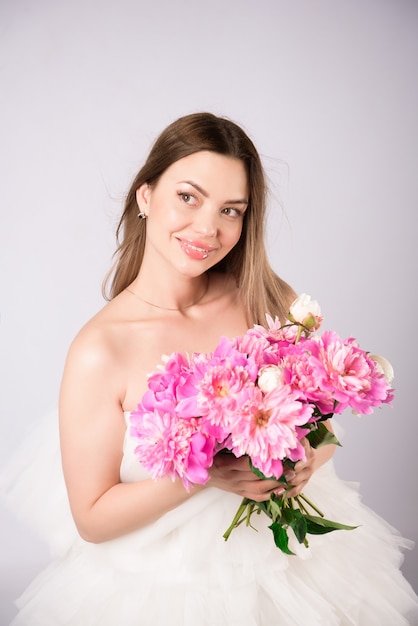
191	267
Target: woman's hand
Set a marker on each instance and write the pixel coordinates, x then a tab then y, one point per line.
231	474
303	470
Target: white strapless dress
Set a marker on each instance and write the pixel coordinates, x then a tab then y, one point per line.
180	572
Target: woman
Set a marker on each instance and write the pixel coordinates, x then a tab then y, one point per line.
191	266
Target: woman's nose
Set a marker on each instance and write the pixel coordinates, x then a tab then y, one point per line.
206	222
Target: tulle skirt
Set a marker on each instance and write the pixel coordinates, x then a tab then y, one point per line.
181	572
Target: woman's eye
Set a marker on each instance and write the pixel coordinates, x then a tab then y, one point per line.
232	212
188	198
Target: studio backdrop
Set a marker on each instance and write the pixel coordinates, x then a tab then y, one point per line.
326	89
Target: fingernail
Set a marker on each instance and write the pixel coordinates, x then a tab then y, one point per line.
279	492
289	475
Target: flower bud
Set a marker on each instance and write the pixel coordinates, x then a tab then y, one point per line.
270	377
306	312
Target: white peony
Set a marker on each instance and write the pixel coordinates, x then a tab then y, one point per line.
384	367
270	377
306	311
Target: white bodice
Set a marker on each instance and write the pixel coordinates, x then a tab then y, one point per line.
130	469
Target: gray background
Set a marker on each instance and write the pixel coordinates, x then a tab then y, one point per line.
328	91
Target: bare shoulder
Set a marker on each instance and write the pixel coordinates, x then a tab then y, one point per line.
97	346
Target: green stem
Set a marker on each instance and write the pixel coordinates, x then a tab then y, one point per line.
250	509
299	333
240	512
311	504
301	506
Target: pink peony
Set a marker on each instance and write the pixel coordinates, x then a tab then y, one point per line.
215	387
163	384
351	375
266	429
171	446
306	374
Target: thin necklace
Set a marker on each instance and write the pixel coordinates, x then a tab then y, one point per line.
163	308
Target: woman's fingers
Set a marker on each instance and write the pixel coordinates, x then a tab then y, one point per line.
234	474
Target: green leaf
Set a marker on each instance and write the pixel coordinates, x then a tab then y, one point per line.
288	515
297	522
320	526
264	506
321	436
299	526
275	508
280	538
326	522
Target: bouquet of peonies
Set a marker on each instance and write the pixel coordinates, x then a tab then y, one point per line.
258	395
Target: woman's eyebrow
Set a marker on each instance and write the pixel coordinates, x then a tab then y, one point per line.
205	193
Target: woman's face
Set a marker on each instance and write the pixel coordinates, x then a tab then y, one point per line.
195	211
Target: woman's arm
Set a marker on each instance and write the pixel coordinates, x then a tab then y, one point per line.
92	429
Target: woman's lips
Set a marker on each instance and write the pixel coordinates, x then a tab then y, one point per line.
195	249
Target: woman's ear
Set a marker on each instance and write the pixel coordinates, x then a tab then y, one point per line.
142	198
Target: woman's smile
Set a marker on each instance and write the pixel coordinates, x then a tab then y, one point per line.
195	249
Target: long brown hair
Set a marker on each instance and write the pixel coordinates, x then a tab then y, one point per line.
261	290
